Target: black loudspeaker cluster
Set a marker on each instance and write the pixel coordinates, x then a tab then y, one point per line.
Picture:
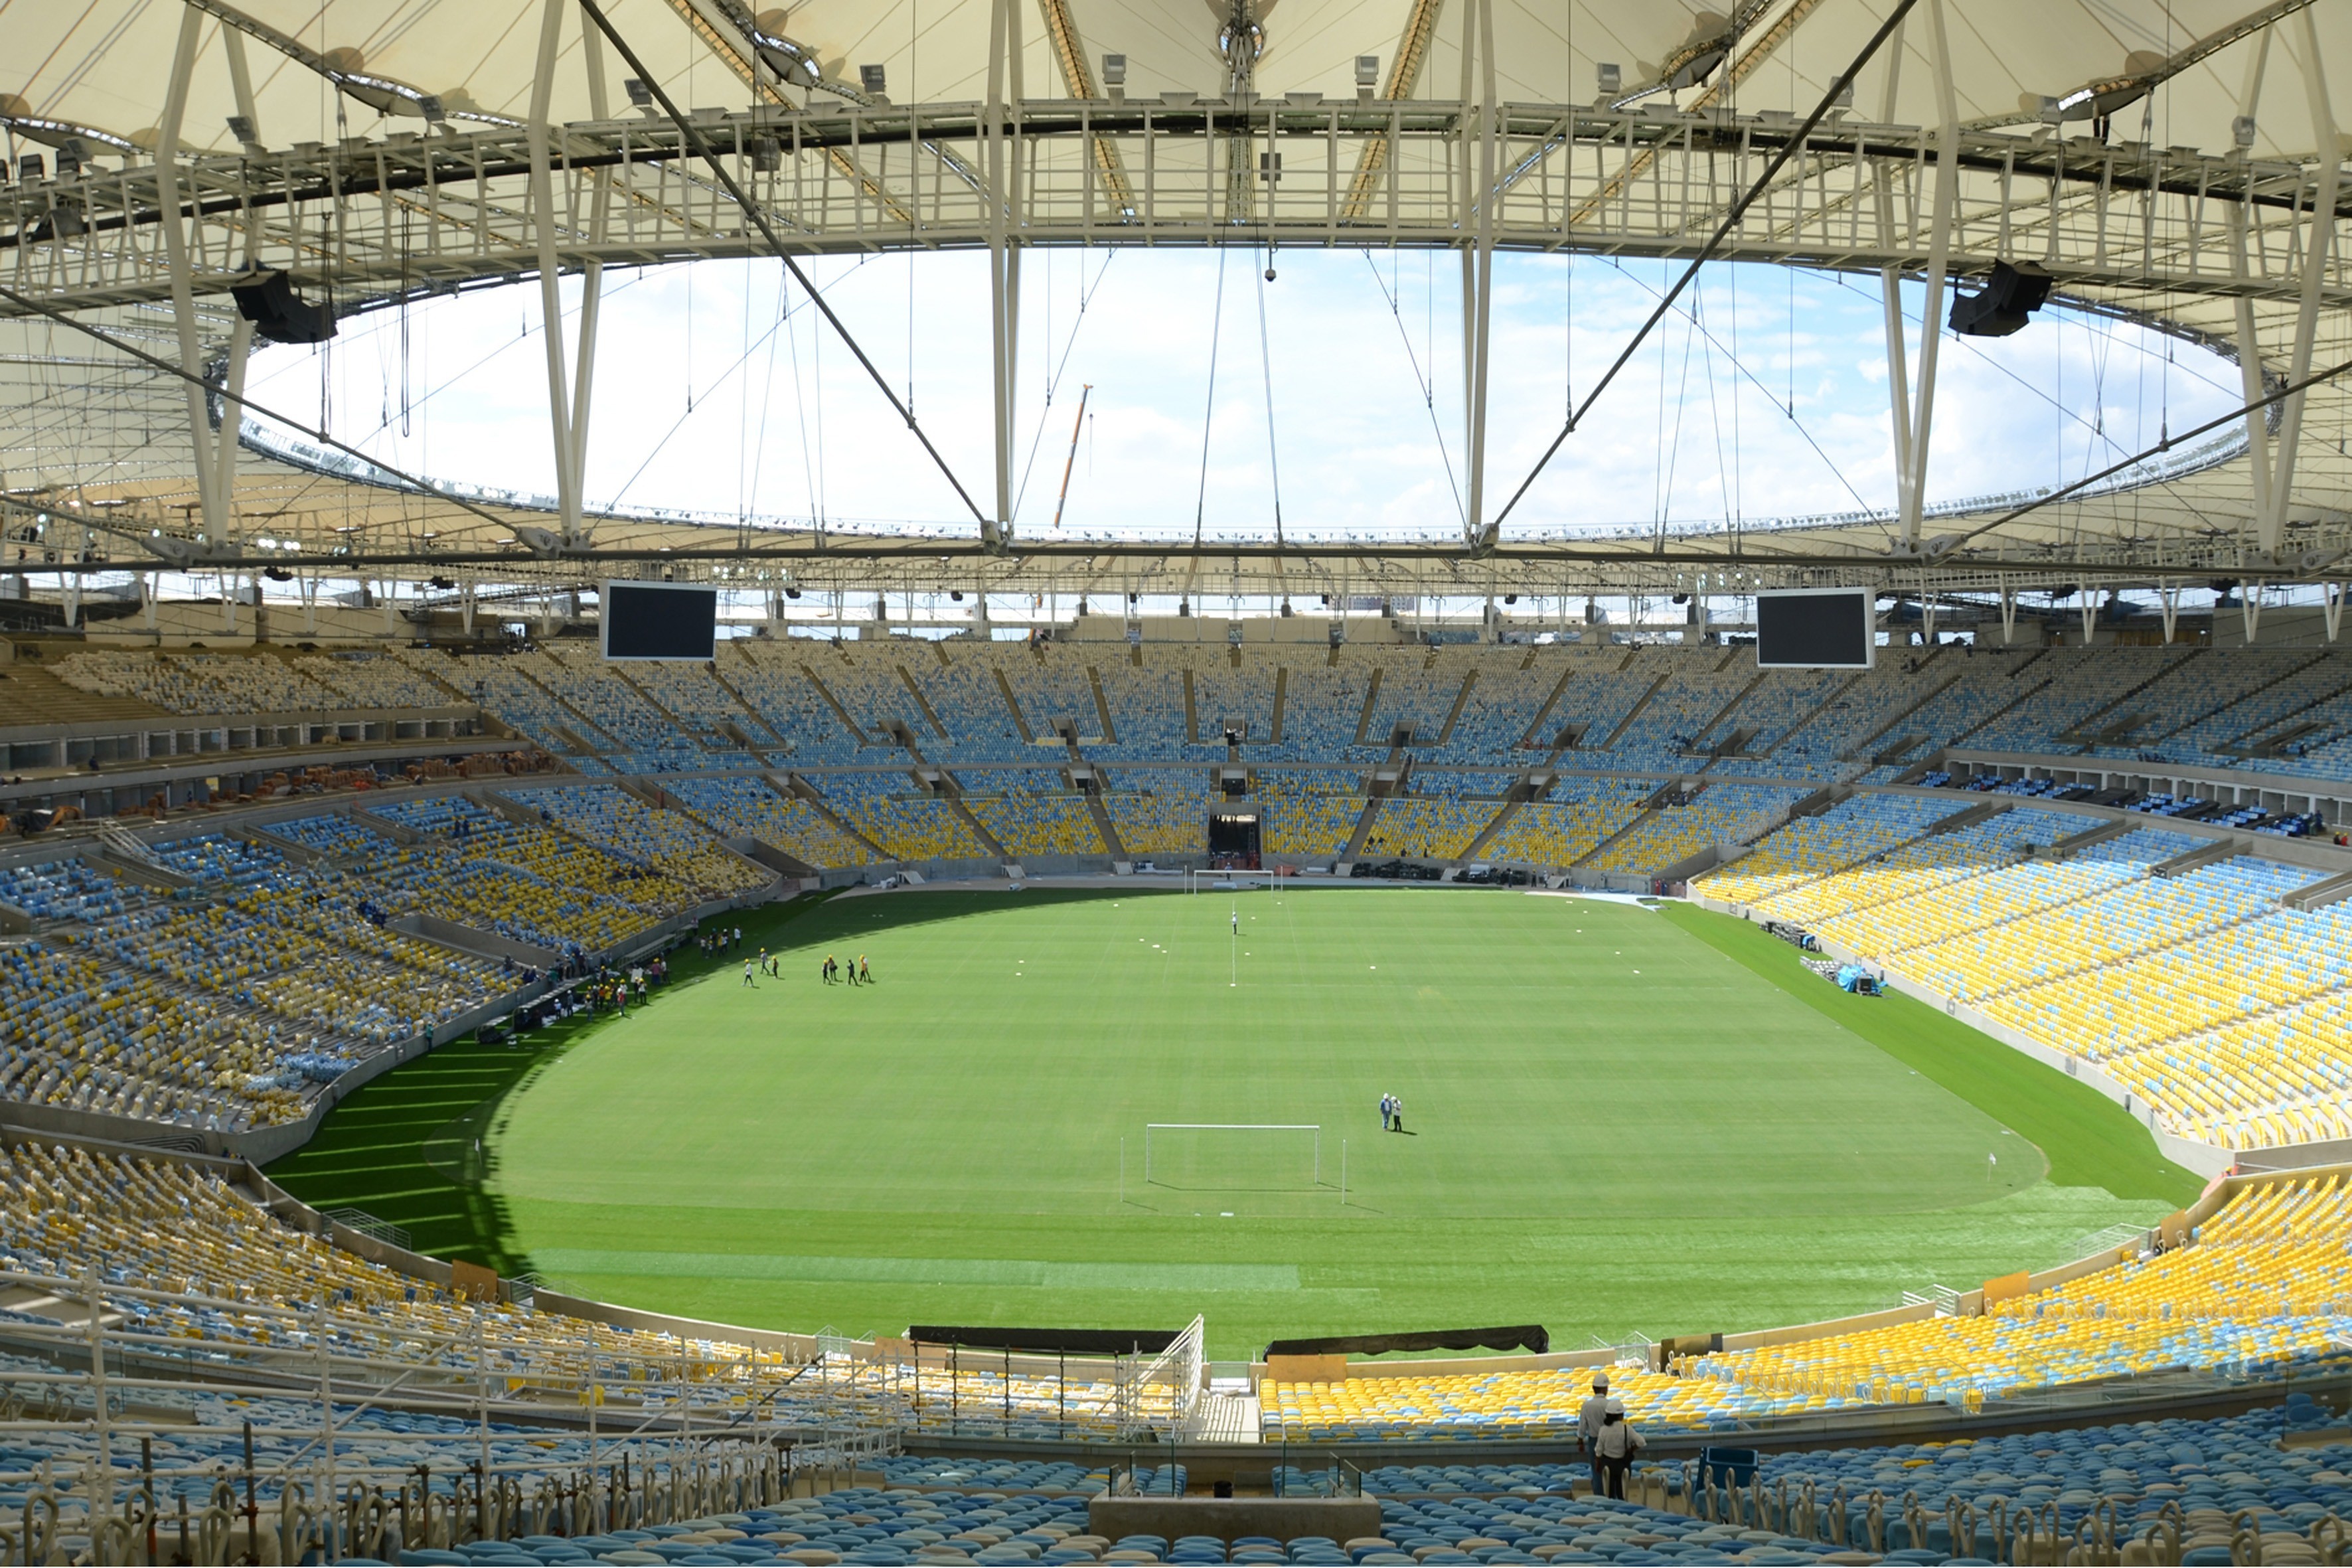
280	314
2010	296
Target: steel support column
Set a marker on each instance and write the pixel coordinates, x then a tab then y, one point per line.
1003	182
591	274
175	246
1912	481
2317	247
2250	352
240	337
1478	254
550	275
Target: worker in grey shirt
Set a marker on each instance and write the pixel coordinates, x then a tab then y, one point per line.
1588	1421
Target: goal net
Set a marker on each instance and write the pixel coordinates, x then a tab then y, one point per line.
1234	1156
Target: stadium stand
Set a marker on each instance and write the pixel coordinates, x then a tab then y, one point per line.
1690	688
2077	686
908	826
1810	847
2263	1283
375	680
1568	823
775	685
752	808
1160	816
1302	820
693	697
1716	816
532	884
1052	689
200	683
662	841
1428	827
1500	708
1241	688
1146	699
649	740
1033	813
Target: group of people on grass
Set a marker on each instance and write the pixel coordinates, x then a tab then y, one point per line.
1392	1113
856	972
611	991
832	972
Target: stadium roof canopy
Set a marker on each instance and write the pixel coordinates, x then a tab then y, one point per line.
2177	163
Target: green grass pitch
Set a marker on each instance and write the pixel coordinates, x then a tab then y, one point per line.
1622	1119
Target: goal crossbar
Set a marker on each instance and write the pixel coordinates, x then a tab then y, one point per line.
1315	1127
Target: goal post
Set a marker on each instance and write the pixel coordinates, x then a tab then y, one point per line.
1233	1154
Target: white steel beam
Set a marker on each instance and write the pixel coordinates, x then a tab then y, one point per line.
1914	485
2318	246
240	339
175	244
1004	192
1478	255
550	272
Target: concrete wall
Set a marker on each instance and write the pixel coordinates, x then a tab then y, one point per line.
474	939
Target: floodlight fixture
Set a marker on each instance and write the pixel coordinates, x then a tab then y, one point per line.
1368	76
874	80
1611	79
1114	69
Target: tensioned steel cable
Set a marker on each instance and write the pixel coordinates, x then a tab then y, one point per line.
743	203
1838	85
2169	442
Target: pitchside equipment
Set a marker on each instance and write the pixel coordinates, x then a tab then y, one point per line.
1257	1157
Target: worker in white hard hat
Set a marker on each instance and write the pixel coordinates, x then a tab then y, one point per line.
1588	1421
1614	1449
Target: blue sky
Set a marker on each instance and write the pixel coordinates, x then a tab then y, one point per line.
1763	396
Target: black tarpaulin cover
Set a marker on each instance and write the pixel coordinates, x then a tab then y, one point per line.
1526	1336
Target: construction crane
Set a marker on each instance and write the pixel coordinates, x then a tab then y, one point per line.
1072	460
